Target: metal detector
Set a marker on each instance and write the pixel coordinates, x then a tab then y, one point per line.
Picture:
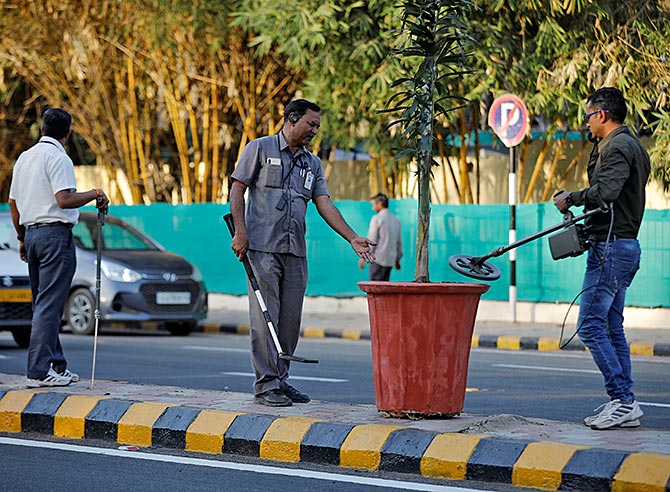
479	268
228	218
98	261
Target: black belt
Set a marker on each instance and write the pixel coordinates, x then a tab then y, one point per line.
50	224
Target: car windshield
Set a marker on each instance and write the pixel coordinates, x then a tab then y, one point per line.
115	237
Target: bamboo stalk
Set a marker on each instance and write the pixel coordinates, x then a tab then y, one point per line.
554	166
539	164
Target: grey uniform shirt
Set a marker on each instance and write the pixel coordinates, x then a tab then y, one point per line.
385	231
279	186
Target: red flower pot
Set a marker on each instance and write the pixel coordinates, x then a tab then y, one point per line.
421	336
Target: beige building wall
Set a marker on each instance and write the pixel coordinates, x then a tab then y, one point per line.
350	180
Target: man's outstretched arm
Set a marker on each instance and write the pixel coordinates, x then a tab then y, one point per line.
334	219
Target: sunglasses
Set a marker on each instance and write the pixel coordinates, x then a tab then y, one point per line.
587	116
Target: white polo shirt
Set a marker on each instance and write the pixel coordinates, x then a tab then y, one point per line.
39	173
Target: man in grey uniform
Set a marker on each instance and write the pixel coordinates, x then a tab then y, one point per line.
282	176
385	231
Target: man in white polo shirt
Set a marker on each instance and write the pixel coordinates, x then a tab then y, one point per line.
43	202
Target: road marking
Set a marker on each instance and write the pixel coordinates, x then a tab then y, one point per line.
300	378
270	470
580	355
647	404
216	349
544	368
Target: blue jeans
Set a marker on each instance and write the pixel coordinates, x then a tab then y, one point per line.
51	266
610	268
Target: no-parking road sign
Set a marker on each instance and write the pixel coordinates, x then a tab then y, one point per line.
509	119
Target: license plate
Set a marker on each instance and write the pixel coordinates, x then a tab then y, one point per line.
173	298
16	295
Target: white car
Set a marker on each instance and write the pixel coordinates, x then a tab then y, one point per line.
16	309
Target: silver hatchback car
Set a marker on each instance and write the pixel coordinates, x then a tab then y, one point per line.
142	284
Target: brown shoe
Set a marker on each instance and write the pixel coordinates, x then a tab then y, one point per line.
273	398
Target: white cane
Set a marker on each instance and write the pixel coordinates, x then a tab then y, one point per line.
101	222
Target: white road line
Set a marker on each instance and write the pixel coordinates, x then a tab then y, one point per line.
639	359
299	378
270	470
216	349
544	368
647	404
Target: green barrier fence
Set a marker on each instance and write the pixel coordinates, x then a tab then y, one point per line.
198	233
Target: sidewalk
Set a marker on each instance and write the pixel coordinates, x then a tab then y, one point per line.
647	330
499	448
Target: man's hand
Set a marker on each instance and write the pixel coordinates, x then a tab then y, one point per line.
397	265
361	246
23	254
560	201
102	201
240	244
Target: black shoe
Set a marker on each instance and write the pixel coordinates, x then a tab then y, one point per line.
295	395
273	398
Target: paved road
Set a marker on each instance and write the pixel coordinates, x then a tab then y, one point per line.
28	465
557	386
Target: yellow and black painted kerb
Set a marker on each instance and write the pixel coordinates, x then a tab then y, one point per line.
542	464
502	342
102	421
308	332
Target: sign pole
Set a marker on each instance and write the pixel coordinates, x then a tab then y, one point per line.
512	232
508	117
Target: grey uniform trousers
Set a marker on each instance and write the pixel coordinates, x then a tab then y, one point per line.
282	279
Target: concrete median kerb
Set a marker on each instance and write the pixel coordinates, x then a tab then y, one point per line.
285	438
500	342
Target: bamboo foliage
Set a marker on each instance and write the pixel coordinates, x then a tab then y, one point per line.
150	99
166	94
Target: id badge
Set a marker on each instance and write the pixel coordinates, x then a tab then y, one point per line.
309	180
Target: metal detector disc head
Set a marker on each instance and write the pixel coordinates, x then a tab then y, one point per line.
295	358
473	267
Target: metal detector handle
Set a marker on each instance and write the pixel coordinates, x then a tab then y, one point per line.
228	219
101	211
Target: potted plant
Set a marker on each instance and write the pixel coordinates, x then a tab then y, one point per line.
421	331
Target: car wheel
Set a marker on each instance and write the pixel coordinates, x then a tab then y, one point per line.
80	312
180	329
22	337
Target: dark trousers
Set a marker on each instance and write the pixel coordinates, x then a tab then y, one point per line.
51	266
378	272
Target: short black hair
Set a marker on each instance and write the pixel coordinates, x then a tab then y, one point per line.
56	123
300	107
382	199
611	100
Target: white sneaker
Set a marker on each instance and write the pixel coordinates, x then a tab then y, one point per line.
616	414
72	375
52	379
605	407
